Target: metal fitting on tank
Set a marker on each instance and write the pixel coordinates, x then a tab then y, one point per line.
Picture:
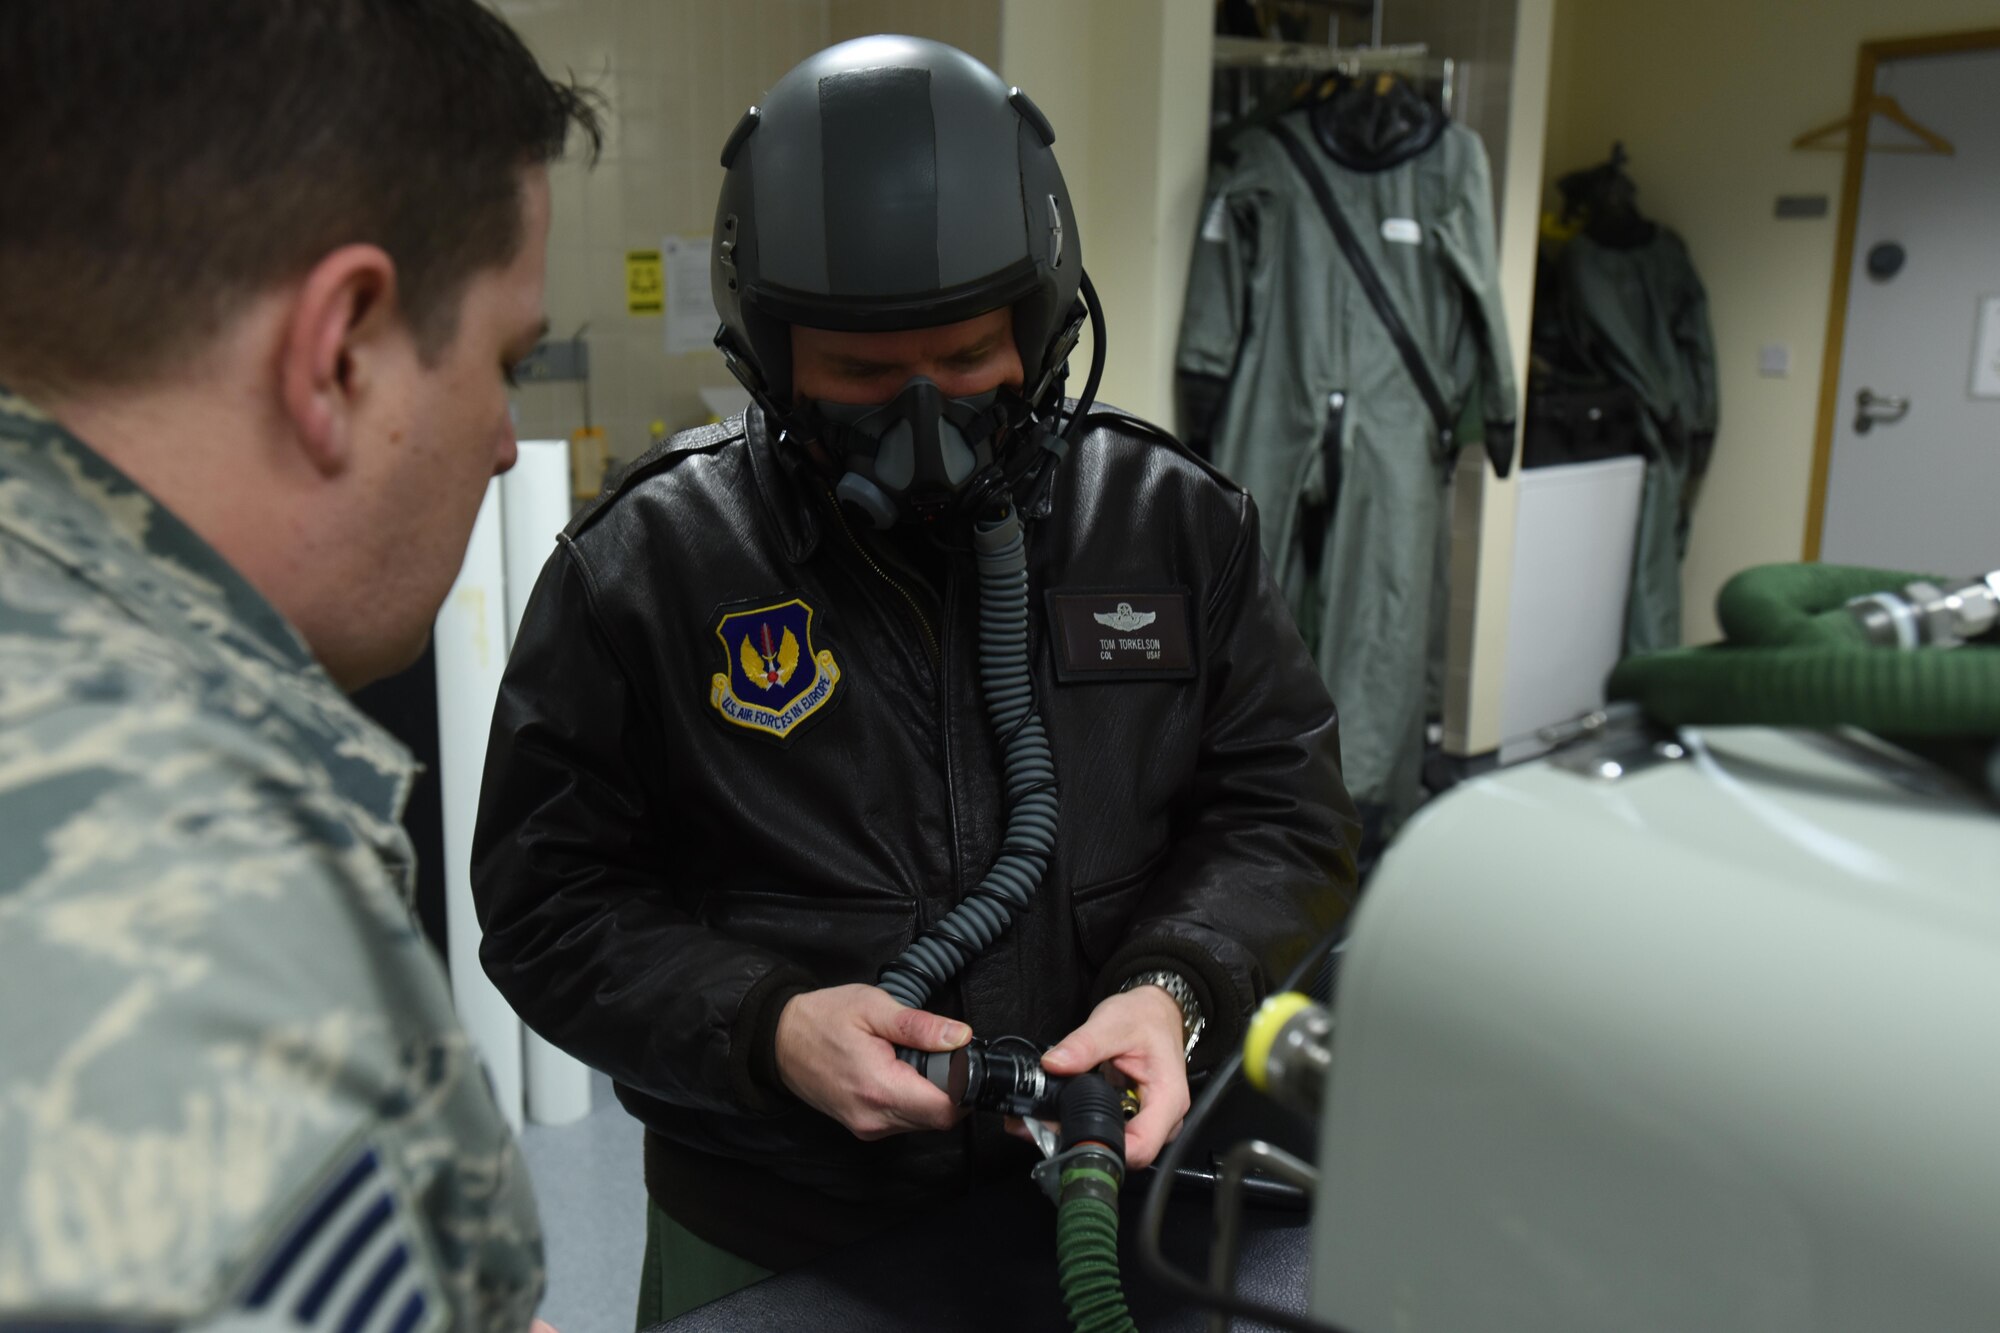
1289	1051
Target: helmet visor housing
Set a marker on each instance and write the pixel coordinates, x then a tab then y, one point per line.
890	183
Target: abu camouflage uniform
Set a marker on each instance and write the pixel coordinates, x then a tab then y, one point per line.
233	1094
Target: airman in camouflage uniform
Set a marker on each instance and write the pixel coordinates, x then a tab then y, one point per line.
232	1090
265	266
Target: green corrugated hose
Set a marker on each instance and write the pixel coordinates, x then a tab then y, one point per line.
1795	657
1087	1251
1796	606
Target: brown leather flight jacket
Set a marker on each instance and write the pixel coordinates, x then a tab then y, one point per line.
741	751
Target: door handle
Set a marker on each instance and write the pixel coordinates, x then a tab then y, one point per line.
1871	407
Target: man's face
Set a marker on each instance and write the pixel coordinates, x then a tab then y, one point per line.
963	359
432	442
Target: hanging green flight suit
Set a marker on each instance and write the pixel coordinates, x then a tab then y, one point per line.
1292	384
1637	315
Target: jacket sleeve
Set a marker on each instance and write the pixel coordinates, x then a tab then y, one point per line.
572	861
1466	235
1263	866
1215	319
207	969
1696	341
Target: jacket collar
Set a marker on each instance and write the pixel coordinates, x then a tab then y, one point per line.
60	497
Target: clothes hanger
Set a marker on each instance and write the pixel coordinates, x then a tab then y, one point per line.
1602	201
1858	121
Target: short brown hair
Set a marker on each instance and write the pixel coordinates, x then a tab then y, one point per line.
166	159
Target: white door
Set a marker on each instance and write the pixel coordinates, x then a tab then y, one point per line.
1918	487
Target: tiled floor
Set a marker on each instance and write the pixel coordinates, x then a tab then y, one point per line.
593	1206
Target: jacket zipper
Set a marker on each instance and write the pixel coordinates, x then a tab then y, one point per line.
944	730
1329	447
1315	517
930	639
943	692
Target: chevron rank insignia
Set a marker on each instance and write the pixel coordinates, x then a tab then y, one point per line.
349	1261
773	679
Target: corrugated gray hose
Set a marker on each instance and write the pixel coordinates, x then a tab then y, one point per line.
939	953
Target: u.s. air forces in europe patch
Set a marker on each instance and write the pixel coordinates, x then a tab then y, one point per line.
773	678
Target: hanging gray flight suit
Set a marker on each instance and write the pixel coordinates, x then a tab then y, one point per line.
1293	385
1637	315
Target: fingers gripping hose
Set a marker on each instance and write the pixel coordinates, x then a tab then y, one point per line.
938	954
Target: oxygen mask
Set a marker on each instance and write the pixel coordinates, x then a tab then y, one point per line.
920	456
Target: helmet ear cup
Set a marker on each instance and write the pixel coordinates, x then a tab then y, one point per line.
757	346
1041	316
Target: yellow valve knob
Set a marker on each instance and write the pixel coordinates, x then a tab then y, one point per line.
1289	1052
1269	1019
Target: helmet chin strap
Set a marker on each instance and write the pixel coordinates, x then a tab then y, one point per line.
1031	490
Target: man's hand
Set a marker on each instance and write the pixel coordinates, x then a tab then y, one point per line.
836	1052
1139	1033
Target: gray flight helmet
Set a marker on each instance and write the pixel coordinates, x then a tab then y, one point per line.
891	183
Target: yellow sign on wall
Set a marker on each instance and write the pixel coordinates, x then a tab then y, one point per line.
645	291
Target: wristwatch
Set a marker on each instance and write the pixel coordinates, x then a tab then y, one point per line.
1174	984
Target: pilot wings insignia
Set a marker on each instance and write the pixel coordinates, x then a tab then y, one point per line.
1125	619
773	665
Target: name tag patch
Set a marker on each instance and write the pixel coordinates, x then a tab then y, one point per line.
1403	231
1120	634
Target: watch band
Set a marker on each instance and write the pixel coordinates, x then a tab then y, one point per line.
1174	984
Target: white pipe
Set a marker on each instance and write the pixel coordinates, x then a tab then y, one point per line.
471	647
535	503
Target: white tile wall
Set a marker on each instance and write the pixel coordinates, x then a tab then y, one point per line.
973	26
675	75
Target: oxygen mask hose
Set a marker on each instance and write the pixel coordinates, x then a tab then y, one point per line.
1089	1170
939	953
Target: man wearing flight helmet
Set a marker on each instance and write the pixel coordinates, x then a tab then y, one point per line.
773	730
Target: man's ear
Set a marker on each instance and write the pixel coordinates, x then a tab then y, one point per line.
342	314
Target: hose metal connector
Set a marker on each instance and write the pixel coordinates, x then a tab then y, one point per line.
1925	615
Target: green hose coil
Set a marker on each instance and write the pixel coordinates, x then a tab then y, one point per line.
1087	1252
1795	657
1798	606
